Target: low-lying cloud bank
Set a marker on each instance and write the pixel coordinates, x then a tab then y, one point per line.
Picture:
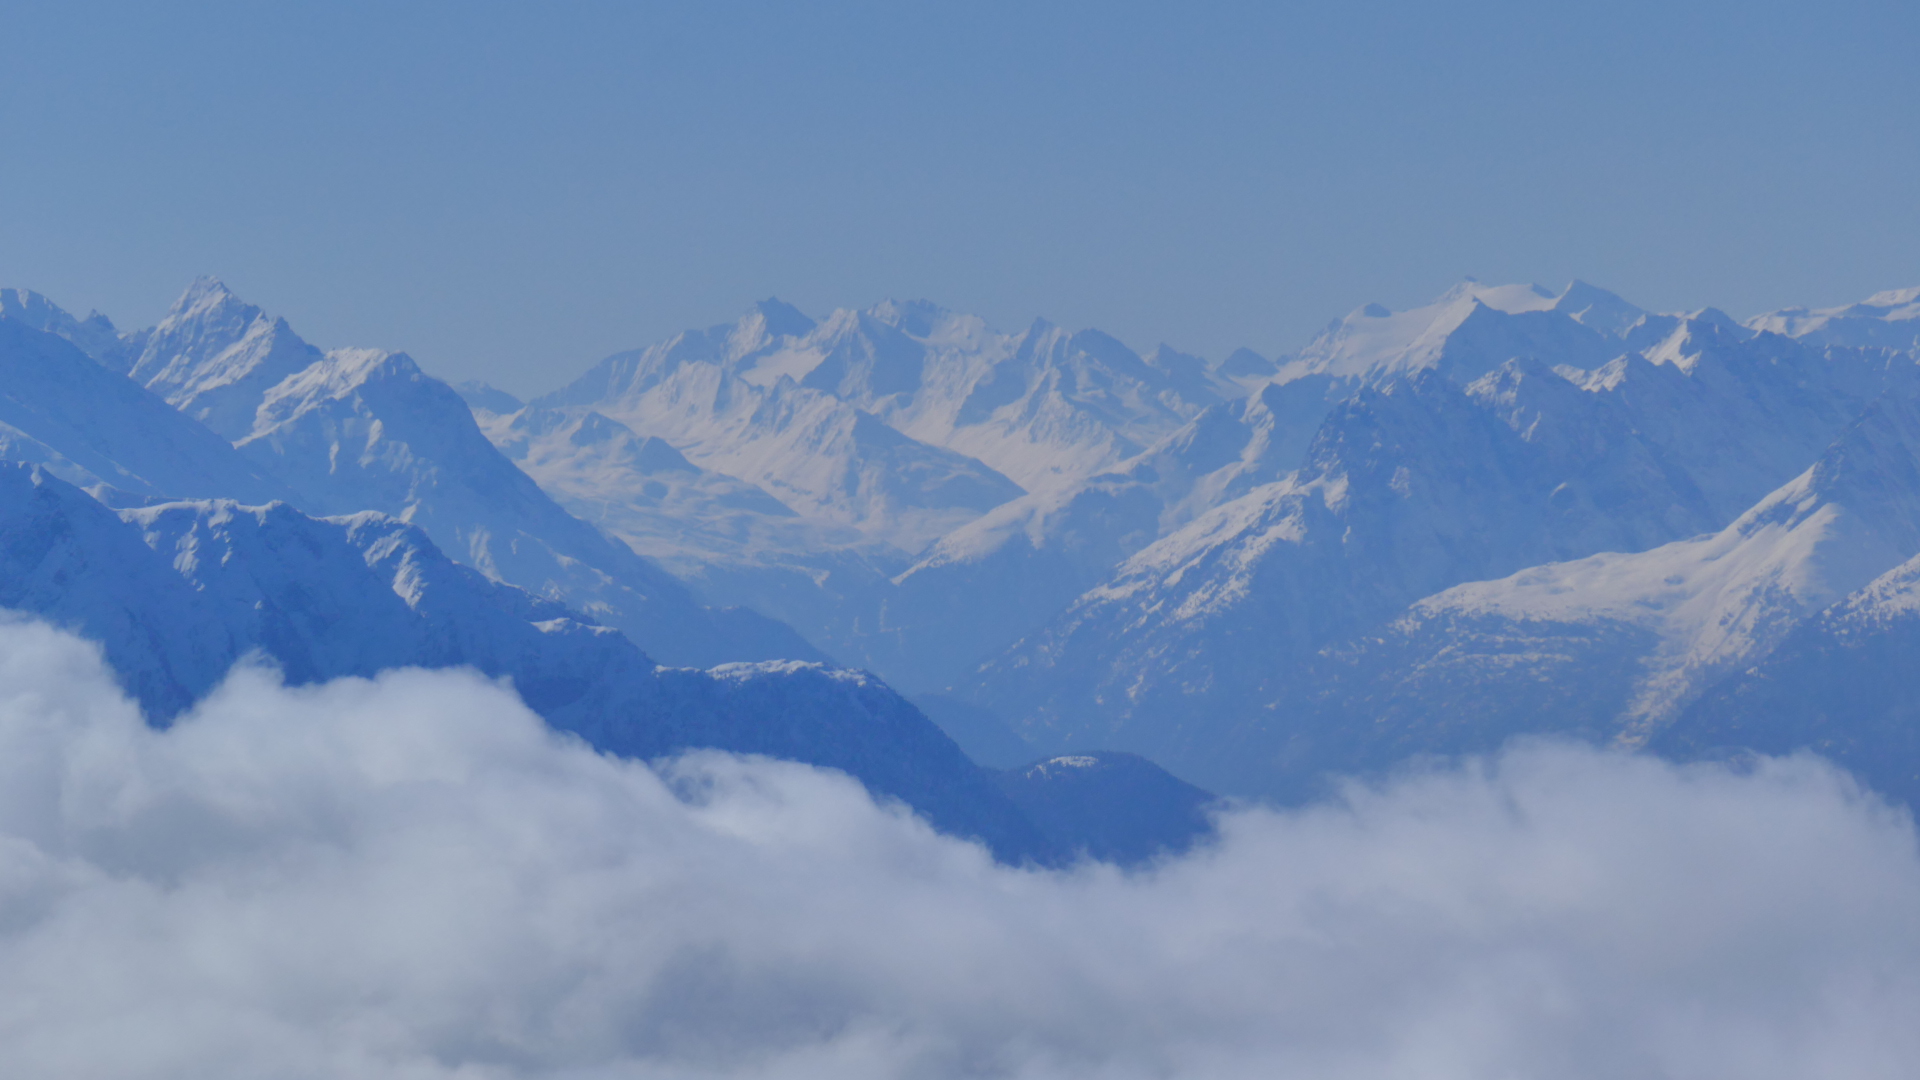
411	877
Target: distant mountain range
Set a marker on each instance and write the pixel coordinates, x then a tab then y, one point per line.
1510	512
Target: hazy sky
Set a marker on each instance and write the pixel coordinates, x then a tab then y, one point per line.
511	192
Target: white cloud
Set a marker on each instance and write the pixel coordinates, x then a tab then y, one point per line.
411	878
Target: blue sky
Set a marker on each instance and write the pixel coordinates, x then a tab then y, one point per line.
512	191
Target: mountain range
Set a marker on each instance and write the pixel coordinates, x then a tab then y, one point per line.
1511	512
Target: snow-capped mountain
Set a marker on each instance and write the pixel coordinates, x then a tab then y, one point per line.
1045	407
882	431
216	357
1115	449
743	399
1839	685
1611	648
726	537
639	486
95	335
96	429
1620	429
1051	407
1886	320
1715	602
1002	576
178	592
1025	560
1474	327
359	429
1412	486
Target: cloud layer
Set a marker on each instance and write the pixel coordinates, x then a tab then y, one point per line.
410	877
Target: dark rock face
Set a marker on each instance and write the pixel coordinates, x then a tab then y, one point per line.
1111	806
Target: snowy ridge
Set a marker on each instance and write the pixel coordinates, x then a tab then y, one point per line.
367	429
730	539
1619	648
215	357
1411	488
1007	572
98	430
1062	406
1045	407
346	431
1836	685
95	335
882	432
1717	602
1892	597
179	592
1473	327
1026	559
1889	320
710	397
1115	449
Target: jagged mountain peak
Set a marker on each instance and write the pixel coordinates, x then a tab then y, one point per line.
1167	358
919	318
1512	299
1521	382
1696	335
95	428
1469	329
1046	346
177	593
1599	309
653	454
1874	467
1040	329
215	355
854	356
779	319
1615	646
1713	316
1888	320
1109	351
204	311
1894	298
358	429
31	308
95	335
204	291
1893	595
1244	363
